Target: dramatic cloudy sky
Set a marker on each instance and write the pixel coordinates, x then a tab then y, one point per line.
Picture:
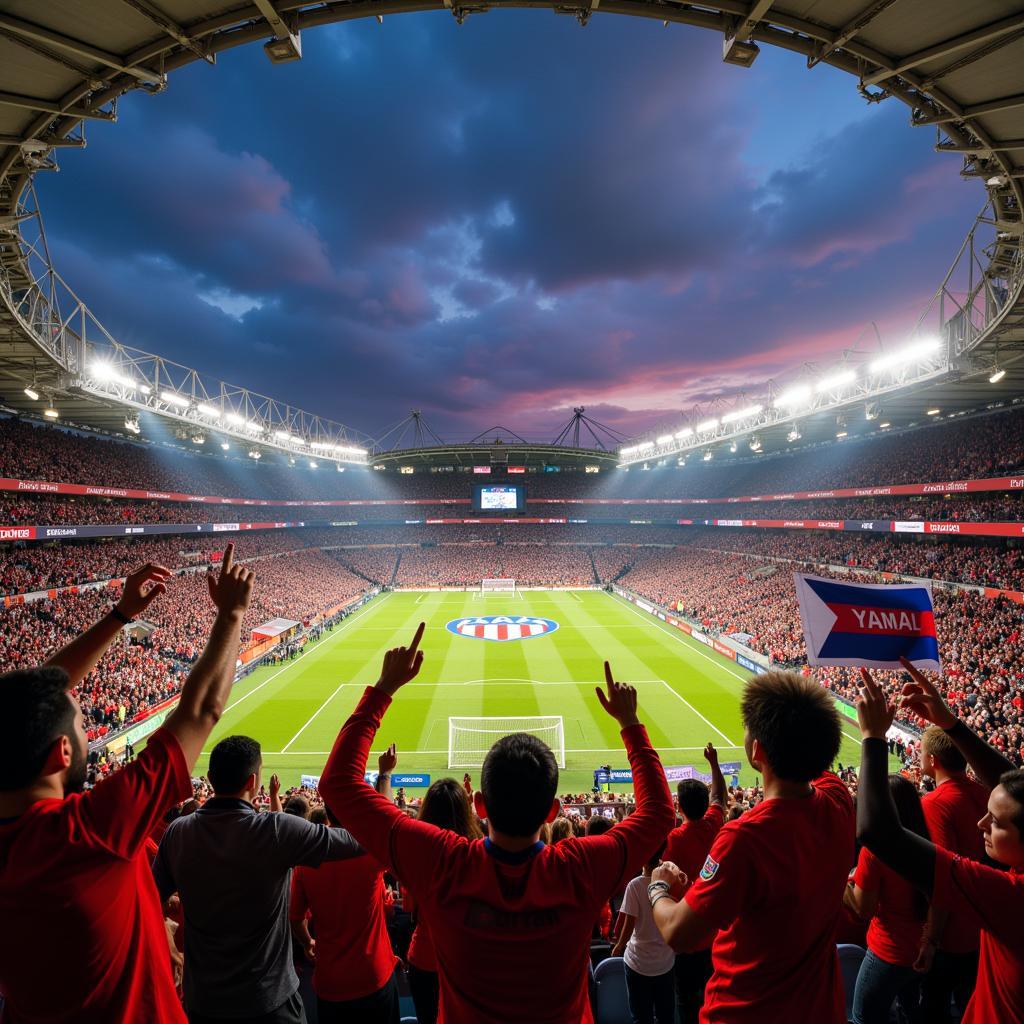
498	221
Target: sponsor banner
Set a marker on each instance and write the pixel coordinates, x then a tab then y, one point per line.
869	624
908	527
17	533
702	637
416	780
728	652
750	666
871	525
1003	483
644	606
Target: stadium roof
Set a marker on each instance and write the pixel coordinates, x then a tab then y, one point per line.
957	65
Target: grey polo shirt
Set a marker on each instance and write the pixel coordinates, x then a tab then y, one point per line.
231	867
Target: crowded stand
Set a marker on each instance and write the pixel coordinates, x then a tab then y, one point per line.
215	877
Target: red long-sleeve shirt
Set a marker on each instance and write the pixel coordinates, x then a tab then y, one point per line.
511	931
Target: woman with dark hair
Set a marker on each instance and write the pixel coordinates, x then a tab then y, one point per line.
986	896
897	913
446	805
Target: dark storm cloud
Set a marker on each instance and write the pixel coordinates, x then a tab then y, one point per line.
496	222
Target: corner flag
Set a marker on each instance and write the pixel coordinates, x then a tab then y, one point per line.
869	624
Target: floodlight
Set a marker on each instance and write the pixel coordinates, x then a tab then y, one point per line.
32	393
645	446
225	445
282	435
199	439
793	435
836	381
255	453
933	412
997	376
799	395
703	428
686	432
173	398
208	410
708	455
755	444
909	354
627	451
145	389
840	433
312	464
741	414
51	413
664	439
131	423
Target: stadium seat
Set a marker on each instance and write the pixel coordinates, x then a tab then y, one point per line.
850	959
611	1005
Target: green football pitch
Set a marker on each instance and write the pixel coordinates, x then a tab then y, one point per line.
688	695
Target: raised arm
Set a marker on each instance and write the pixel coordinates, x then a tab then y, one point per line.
410	847
82	655
923	698
719	792
275	794
878	824
205	692
386	764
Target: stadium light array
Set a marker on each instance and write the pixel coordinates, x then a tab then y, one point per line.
51	414
836	381
145	389
840	433
910	354
709	455
255	453
742	414
109	374
208	410
799	395
131	424
225	446
173	398
793	435
664	439
682	435
755	444
32	393
645	446
282	435
933	412
997	376
706	426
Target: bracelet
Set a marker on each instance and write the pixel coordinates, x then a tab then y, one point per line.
656	890
120	615
659	896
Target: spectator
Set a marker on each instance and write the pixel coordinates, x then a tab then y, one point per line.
505	913
231	868
897	914
77	862
354	966
446	806
649	962
688	847
986	896
772	885
952	811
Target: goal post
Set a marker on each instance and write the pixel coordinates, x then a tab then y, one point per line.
469	739
498	586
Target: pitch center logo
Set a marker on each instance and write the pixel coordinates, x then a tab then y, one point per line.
502	628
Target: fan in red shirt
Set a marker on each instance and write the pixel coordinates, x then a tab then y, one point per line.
952	810
688	847
773	882
74	864
354	966
897	914
510	917
986	897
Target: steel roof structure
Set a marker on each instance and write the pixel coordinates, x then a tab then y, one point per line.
958	66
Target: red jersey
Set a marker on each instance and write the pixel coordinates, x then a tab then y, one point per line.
689	844
992	901
952	811
346	900
773	884
505	926
895	931
421	946
75	879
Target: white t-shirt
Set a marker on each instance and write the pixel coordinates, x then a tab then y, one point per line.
646	952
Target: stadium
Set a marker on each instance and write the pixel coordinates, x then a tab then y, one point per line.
664	547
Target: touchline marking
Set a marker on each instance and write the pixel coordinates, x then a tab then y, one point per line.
698	714
534	682
309	720
271	678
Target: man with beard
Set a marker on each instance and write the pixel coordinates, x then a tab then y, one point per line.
83	935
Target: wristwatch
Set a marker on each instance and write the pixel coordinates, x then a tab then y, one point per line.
120	615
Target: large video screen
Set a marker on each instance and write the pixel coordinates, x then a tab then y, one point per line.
508	498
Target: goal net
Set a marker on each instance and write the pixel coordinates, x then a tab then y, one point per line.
469	739
503	586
